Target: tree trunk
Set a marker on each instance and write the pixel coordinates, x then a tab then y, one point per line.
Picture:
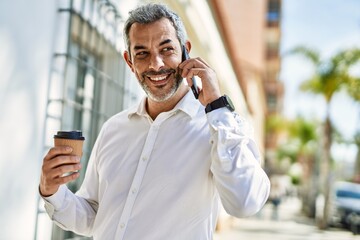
356	177
357	165
308	186
326	173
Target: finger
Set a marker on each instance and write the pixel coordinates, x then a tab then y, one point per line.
193	62
184	72
55	151
61	170
63	180
190	82
202	61
199	72
51	180
62	160
189	69
188	65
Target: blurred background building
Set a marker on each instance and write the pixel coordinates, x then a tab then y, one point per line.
61	67
252	33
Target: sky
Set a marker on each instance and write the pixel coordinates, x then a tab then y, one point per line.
327	26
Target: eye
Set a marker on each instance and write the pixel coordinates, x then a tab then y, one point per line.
167	50
141	55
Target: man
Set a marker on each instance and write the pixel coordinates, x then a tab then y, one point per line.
158	170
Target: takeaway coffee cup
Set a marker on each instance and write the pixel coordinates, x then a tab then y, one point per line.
73	139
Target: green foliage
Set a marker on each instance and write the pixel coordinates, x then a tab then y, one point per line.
304	130
331	75
301	137
353	88
357	138
309	53
287	151
275	123
295	180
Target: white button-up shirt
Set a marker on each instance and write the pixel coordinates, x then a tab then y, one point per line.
162	179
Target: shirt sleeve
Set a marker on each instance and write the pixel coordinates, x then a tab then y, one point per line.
70	212
242	184
76	212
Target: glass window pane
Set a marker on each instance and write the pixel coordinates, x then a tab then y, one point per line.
77	5
63	32
87	9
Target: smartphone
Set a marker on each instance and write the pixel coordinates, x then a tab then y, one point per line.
194	88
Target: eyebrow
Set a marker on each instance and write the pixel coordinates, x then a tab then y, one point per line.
138	47
165	42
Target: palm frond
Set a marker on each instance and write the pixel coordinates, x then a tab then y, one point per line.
308	53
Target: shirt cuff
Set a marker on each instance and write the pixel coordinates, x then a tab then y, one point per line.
221	116
57	199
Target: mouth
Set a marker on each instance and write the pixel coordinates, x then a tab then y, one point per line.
159	79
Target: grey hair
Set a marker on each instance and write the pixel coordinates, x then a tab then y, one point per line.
150	13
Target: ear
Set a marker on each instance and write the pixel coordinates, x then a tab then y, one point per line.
127	59
188	46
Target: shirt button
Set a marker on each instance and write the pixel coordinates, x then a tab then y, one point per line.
134	190
122	225
144	158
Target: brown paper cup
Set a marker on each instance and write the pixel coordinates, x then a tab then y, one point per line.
76	145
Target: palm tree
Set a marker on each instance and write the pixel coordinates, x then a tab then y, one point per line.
301	147
329	77
357	160
353	88
298	143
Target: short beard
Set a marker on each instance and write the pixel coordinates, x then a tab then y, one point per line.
163	96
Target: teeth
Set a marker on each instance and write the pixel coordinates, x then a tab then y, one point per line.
158	78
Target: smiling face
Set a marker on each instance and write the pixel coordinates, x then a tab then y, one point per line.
155	54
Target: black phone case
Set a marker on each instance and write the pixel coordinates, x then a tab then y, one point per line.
194	87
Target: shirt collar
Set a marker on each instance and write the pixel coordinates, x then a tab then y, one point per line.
188	104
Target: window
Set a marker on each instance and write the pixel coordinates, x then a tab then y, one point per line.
271	102
273	13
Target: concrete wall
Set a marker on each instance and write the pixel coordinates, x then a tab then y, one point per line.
26	36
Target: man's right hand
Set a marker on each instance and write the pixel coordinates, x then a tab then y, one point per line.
57	162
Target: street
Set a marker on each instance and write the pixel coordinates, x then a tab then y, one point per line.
289	226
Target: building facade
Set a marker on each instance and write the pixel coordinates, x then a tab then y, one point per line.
274	88
252	33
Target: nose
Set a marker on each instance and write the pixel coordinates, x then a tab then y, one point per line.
156	62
